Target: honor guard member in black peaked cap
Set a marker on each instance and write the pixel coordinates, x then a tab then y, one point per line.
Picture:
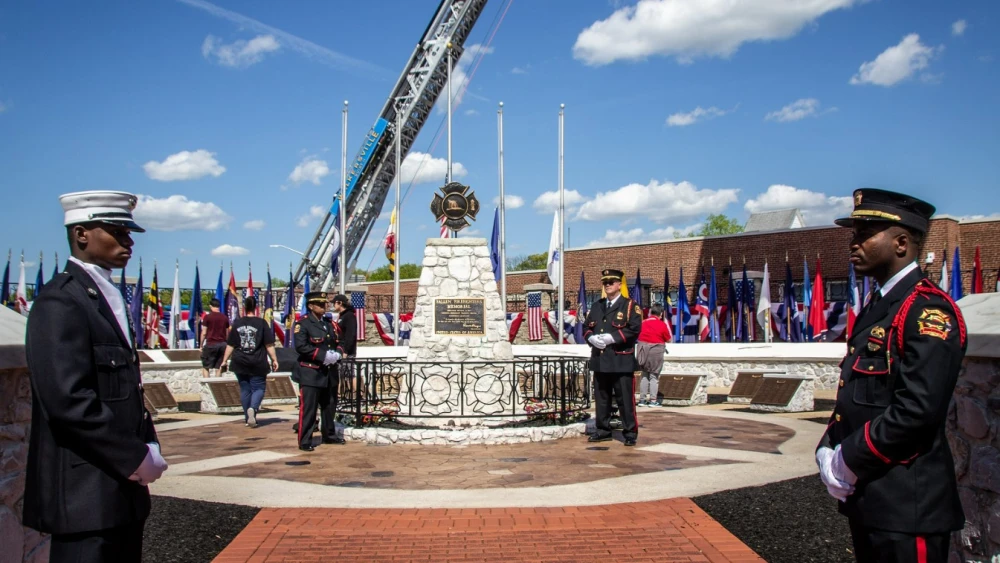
884	455
611	329
316	345
93	449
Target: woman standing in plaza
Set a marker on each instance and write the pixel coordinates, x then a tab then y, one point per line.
649	352
249	344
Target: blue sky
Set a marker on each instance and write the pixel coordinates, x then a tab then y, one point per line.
226	116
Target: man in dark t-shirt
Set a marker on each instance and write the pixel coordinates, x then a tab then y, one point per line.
250	342
214	330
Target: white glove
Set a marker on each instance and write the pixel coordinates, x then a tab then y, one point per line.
837	488
608	339
331	357
152	466
597	342
840	469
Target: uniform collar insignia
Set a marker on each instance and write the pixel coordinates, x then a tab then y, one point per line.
92	292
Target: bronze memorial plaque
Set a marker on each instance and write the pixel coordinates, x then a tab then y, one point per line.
746	385
226	393
159	395
279	387
776	391
461	317
678	387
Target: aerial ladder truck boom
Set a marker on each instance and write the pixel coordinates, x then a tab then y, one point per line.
371	173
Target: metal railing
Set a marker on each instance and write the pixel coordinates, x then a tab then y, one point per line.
376	390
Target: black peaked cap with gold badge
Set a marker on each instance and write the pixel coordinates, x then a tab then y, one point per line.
612	274
316	297
872	204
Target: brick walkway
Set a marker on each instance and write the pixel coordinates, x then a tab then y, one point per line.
667	530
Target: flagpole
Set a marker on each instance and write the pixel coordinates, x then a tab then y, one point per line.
343	200
788	314
454	234
562	218
503	215
399	164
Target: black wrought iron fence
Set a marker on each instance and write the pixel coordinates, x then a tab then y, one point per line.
375	391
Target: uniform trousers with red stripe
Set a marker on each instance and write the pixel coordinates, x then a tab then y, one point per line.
621	387
872	545
309	399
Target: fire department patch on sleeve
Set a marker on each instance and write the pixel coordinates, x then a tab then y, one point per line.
638	311
298	327
934	322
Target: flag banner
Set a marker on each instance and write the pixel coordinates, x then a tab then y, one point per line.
704	313
21	300
195	308
495	246
135	311
220	293
175	311
358	302
956	277
153	314
386	331
806	300
944	283
684	316
287	315
569	326
232	303
445	231
685	329
5	284
185	332
514	321
39	281
534	303
817	306
581	309
977	275
764	305
554	262
853	299
835	320
790	327
390	242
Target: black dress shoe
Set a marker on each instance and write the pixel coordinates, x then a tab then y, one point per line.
307	448
295	428
334	440
629	441
596	438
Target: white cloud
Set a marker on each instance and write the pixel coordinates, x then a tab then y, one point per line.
185	165
958	28
520	69
659	202
229	250
315	212
177	213
28	264
817	209
687	29
294	42
422	168
311	169
470	112
240	53
639	235
510	201
254	225
459	76
185	251
549	201
897	63
697	114
799	109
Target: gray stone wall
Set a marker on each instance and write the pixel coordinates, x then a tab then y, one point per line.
19	544
974	436
180	377
722	373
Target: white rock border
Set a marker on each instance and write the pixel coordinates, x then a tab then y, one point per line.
465	437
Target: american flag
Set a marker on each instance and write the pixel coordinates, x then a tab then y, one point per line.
445	231
534	316
358	302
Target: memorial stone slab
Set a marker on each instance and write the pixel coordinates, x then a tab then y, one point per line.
784	393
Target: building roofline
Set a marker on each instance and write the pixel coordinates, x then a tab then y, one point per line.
713	237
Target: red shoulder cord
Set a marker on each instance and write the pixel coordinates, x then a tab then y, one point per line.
924	289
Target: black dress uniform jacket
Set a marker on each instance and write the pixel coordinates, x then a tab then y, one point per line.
623	321
313	339
347	333
89	426
896	384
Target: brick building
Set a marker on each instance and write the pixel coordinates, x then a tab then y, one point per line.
828	244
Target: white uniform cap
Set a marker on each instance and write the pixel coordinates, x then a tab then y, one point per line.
100	207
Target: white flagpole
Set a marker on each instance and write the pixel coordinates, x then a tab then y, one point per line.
503	216
343	201
454	234
562	222
399	263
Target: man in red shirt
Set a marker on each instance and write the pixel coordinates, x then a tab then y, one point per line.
214	331
649	352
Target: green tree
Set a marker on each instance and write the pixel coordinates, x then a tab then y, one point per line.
719	225
406	272
530	262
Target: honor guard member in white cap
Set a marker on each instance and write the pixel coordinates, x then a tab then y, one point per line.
612	328
316	345
93	449
884	455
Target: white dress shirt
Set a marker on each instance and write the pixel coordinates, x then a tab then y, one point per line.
885	289
110	292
